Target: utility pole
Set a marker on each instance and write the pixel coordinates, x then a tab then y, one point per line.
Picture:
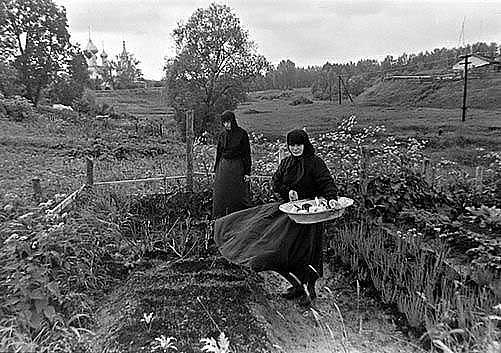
463	117
339	88
346	89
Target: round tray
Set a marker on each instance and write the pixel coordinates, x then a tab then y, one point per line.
290	209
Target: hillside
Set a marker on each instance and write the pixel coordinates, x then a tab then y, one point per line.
482	94
144	103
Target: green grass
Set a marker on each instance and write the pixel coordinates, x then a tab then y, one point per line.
276	117
484	93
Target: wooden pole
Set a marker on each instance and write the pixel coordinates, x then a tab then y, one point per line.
425	166
346	89
281	155
90	171
37	189
339	89
463	116
189	150
363	171
433	169
479	176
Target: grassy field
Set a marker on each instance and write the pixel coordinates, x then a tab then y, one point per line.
54	151
442	127
484	93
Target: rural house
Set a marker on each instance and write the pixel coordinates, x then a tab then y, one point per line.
476	61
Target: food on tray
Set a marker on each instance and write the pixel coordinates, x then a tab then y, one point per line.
315	206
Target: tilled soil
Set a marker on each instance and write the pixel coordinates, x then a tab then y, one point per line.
198	298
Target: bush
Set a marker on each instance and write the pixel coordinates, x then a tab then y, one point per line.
9	82
86	103
65	91
301	100
16	108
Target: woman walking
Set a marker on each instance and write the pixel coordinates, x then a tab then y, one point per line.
232	168
264	238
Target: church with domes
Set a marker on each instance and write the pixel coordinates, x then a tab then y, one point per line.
100	70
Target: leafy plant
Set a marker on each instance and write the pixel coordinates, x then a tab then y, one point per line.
18	108
486	216
222	345
164	343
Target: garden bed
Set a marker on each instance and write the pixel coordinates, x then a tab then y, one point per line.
439	299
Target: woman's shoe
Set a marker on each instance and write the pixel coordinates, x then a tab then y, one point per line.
309	294
305	300
311	290
292	293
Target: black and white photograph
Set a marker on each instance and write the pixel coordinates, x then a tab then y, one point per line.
250	176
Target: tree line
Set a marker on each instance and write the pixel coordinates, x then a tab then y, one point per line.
358	76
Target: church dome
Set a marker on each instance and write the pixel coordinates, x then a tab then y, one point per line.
104	55
91	48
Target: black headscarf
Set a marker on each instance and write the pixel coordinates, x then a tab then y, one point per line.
229	116
294	165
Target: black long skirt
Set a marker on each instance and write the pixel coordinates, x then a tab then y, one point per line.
264	238
231	193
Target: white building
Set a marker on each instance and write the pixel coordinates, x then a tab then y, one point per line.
474	61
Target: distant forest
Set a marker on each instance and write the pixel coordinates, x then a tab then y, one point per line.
364	73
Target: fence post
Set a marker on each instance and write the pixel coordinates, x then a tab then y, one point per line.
425	165
479	176
37	189
433	168
281	155
90	171
363	171
189	150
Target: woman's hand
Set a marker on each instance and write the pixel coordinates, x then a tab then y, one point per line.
293	195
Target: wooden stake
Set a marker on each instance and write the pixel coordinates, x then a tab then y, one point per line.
425	166
479	176
189	150
281	155
90	171
363	171
37	189
339	89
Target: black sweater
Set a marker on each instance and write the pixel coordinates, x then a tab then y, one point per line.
316	180
234	144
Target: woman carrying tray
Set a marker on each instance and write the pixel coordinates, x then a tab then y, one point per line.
264	238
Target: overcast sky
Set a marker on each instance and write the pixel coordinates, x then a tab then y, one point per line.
308	32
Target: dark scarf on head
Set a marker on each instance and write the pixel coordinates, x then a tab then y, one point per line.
294	167
228	134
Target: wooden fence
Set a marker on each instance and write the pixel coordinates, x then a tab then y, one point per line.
188	176
428	172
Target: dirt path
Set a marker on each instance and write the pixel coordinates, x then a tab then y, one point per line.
198	298
332	324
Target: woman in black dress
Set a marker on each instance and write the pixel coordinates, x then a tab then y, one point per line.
265	238
232	169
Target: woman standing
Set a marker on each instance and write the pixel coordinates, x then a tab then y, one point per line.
264	238
232	168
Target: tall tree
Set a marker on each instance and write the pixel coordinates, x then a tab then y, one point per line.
286	71
69	85
214	62
35	34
